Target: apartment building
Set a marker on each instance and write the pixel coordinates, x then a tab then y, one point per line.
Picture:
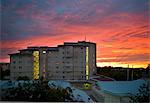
70	61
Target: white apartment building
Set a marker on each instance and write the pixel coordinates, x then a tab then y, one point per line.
70	61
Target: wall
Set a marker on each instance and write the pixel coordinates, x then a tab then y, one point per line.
21	66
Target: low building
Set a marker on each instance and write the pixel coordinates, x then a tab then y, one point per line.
4	66
116	91
4	71
71	61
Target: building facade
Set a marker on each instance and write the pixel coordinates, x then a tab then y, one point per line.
70	61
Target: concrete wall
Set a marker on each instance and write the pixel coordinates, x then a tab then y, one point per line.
104	97
21	66
68	63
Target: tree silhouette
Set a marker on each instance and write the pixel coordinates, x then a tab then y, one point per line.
37	91
142	96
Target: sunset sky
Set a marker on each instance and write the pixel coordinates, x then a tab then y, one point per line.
119	27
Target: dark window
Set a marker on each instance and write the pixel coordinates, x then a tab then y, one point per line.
67	66
63	72
14	62
20	67
81	71
63	76
20	61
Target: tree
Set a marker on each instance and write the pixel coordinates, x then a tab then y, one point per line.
4	73
142	96
37	91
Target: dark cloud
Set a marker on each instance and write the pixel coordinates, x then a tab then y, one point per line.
5	51
24	24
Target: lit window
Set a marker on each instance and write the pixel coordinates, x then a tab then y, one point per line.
87	63
36	65
44	52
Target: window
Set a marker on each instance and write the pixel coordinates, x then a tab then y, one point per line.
63	76
14	62
20	61
93	55
20	67
57	63
67	66
44	52
14	67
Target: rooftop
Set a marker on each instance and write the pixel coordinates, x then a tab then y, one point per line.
121	88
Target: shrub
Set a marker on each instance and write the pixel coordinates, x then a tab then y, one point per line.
37	91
